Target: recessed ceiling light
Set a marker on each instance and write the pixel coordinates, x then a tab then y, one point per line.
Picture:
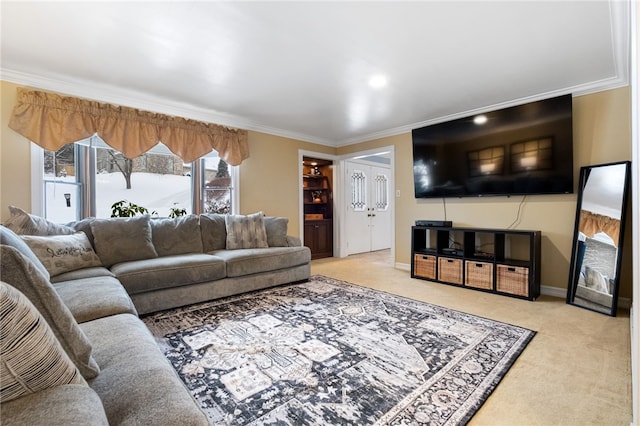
378	81
480	119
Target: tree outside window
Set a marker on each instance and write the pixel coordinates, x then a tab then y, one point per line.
157	180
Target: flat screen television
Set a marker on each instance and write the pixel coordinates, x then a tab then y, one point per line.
520	150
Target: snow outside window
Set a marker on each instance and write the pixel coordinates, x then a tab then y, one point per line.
86	178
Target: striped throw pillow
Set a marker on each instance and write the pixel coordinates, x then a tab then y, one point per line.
31	358
245	232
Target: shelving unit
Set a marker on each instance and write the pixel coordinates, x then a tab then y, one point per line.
318	211
503	261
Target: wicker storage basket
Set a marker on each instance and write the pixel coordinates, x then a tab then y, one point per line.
424	266
450	270
512	280
478	274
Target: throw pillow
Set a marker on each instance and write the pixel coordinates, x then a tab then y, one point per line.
83	225
595	280
32	358
214	232
22	222
22	274
276	228
10	238
176	236
123	239
246	231
63	253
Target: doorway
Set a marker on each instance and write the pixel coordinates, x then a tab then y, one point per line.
368	208
317	204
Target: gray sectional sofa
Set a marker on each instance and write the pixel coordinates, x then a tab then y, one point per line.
89	280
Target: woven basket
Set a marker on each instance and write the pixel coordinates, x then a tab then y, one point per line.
424	266
512	280
450	270
478	274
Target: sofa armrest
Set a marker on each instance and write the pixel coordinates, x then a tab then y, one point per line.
293	241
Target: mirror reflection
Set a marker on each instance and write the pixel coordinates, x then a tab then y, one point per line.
594	276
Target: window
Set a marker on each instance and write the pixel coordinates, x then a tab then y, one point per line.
86	178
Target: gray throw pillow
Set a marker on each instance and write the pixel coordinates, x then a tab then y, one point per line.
63	253
32	357
214	232
22	222
22	274
123	239
246	231
84	225
10	238
276	228
176	236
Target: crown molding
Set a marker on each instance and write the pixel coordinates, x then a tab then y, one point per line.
145	102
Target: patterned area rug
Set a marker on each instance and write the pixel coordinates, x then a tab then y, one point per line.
329	352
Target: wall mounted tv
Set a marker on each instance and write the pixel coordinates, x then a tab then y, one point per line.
521	150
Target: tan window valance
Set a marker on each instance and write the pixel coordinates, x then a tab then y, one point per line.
592	223
52	120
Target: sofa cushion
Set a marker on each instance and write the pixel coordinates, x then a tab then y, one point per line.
276	228
18	271
169	271
32	358
96	297
176	236
78	274
245	231
10	238
22	222
253	261
123	239
84	225
214	231
69	405
137	384
63	253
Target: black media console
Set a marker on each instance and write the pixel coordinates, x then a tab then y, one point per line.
502	261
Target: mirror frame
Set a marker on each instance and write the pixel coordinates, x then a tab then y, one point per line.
574	270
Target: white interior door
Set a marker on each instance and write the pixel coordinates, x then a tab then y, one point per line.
380	209
368	219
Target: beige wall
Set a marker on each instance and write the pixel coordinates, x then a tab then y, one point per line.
269	182
269	178
602	134
15	159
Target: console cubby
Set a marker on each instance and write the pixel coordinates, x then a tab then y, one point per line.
502	261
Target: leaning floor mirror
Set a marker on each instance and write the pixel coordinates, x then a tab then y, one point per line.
594	273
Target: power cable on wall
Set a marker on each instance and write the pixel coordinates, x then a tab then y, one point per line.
444	207
516	222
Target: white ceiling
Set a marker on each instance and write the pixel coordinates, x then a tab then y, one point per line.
301	69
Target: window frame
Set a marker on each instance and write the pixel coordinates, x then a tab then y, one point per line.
87	185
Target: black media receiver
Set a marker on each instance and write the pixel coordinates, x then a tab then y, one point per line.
440	223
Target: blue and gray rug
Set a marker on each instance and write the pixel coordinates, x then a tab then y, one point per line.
327	352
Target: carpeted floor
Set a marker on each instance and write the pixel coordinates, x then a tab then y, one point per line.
329	352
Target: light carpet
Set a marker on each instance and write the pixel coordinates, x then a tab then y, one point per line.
330	352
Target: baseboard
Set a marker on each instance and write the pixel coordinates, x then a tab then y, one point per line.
623	302
403	266
553	291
